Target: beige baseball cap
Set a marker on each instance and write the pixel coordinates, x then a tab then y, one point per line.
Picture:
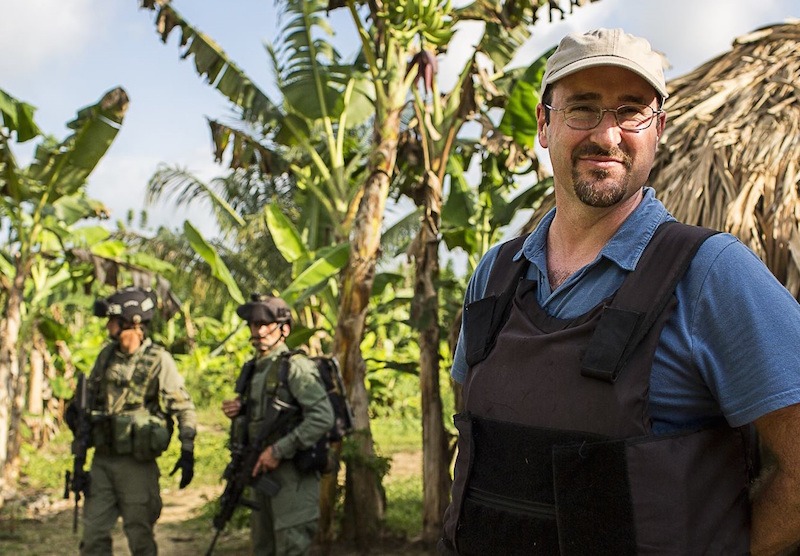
606	47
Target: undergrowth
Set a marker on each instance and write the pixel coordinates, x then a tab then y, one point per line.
43	469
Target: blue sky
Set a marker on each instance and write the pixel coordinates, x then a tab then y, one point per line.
61	56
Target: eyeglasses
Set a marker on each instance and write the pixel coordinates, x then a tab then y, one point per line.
630	117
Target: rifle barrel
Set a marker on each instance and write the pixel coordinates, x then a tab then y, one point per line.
213	542
75	514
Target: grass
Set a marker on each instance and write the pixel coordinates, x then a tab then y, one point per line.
403	516
392	435
43	471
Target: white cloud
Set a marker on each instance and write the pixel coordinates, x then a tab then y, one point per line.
688	32
692	33
37	33
120	182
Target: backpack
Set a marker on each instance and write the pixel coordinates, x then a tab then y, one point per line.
319	457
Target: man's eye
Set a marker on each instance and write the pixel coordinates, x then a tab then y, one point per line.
629	112
582	109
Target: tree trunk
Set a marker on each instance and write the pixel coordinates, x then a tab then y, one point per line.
9	372
425	313
327	504
19	391
363	498
36	365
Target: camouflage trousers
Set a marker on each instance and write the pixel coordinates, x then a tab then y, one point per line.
291	541
121	487
279	537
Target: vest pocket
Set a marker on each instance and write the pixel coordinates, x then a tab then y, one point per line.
490	521
122	434
507	506
150	436
140	434
593	499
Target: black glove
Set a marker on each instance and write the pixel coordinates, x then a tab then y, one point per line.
186	464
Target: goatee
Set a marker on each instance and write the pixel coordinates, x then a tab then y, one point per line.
590	194
588	189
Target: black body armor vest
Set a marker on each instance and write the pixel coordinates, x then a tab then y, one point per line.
556	454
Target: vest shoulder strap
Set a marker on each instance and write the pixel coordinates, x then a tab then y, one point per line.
283	372
644	294
506	272
245	375
484	318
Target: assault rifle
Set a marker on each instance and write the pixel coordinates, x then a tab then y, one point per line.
238	473
79	480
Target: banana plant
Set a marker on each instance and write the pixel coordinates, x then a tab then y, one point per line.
344	198
39	206
433	147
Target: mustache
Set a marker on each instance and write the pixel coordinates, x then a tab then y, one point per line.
596	150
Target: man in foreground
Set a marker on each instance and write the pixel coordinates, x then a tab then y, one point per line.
611	393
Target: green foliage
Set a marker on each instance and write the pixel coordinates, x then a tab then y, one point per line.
18	117
519	120
45	469
210	450
218	268
210	370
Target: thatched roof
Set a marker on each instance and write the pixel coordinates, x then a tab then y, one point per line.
730	155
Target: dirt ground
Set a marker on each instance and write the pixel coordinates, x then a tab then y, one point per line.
44	526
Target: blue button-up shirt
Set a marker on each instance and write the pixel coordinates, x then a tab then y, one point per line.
729	349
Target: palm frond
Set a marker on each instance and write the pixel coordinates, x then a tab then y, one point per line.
184	188
214	64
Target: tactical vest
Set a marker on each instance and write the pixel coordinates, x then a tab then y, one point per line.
555	452
134	426
259	385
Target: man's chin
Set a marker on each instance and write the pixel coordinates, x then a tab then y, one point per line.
260	347
600	193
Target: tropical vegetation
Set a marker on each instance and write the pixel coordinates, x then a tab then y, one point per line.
308	181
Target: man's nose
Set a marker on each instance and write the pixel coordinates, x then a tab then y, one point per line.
607	133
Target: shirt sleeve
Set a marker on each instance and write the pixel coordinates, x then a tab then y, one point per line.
745	333
476	289
176	401
316	410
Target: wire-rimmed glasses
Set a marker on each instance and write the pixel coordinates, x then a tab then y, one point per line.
585	116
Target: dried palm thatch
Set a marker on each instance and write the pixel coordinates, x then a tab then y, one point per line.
730	154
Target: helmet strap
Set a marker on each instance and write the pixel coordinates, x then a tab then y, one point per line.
261	348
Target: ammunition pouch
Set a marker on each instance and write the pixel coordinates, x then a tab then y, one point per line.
318	458
136	433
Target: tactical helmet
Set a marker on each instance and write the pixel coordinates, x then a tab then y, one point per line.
132	305
265	308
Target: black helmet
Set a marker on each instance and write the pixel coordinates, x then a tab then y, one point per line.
132	305
265	308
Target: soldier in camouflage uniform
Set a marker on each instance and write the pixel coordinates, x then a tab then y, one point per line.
286	522
134	390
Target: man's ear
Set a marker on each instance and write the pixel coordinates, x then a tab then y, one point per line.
661	123
541	123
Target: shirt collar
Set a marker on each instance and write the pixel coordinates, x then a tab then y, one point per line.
624	248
